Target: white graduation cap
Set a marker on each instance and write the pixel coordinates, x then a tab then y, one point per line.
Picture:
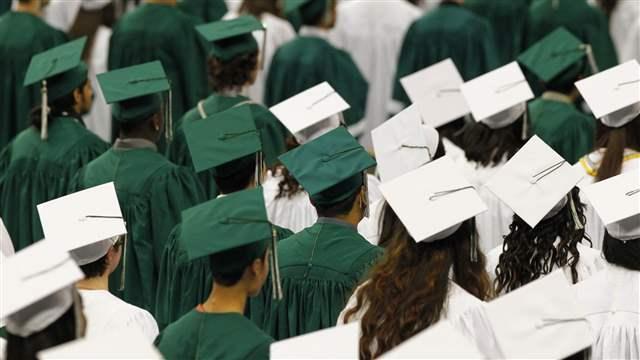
6	246
36	287
433	200
318	108
435	90
403	143
439	341
534	180
498	98
129	343
86	223
614	94
617	201
339	342
534	321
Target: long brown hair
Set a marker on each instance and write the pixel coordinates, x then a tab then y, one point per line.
408	288
615	141
259	7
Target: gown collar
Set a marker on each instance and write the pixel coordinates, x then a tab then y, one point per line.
134	143
334	221
314	31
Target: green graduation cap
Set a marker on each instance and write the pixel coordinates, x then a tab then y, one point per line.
222	137
230	38
307	10
330	167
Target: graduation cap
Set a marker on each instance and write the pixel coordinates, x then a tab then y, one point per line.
437	192
307	9
331	167
438	341
498	98
36	287
617	202
231	38
136	93
614	94
235	225
311	113
6	245
403	143
338	342
534	320
59	70
534	181
436	92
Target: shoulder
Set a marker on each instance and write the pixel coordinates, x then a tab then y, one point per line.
591	261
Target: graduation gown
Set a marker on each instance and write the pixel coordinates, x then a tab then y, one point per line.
183	284
625	30
152	193
319	269
308	61
206	10
560	124
272	133
449	31
22	36
200	336
33	171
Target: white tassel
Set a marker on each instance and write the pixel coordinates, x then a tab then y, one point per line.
263	51
275	275
576	220
525	124
44	114
168	131
124	263
592	61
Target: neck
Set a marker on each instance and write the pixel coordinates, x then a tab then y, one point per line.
162	2
32	7
353	218
95	283
225	299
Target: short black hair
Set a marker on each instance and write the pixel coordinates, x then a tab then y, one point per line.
235	175
96	268
621	253
220	272
231	74
337	209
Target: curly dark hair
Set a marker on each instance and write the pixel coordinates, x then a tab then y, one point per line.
615	141
529	253
414	277
487	146
288	186
57	107
232	74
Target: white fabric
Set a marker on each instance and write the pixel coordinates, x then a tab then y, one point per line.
295	213
61	14
98	119
372	32
107	314
3	348
624	26
42	313
369	227
453	151
6	246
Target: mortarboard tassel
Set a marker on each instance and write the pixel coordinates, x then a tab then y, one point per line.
124	263
576	220
588	50
168	131
473	255
275	267
44	114
525	124
264	46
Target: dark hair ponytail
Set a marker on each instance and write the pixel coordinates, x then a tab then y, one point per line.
615	141
58	107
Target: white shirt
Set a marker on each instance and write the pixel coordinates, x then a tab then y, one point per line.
106	313
624	26
294	213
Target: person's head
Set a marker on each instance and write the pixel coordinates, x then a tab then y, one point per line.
249	269
76	103
319	13
413	278
615	141
234	74
107	264
622	253
351	208
236	175
38	4
489	147
149	127
259	7
288	186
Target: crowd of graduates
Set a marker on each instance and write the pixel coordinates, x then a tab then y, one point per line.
253	179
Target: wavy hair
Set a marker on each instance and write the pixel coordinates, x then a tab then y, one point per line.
233	74
489	147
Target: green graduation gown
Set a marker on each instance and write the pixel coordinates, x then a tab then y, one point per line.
586	22
152	193
560	124
308	61
273	134
22	35
449	31
319	269
223	336
183	284
33	171
206	10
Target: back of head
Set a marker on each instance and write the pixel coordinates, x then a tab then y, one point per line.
489	147
615	141
233	74
622	253
235	175
227	268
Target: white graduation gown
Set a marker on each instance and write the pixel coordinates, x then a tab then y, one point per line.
295	213
370	227
106	313
624	26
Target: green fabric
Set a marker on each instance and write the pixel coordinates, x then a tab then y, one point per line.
152	193
21	37
505	17
199	336
205	10
183	284
449	31
55	61
320	267
563	127
3	332
230	38
586	22
308	61
309	11
273	135
33	171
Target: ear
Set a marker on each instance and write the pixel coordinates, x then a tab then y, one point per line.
77	95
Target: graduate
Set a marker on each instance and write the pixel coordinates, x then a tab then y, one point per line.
23	34
615	100
157	30
227	145
39	164
310	59
89	225
205	10
234	60
321	265
151	190
547	231
233	233
431	270
557	62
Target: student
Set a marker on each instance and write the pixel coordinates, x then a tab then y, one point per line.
40	305
39	164
547	231
321	265
234	234
152	191
440	276
233	63
23	34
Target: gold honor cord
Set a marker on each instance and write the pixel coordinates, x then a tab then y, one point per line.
546	171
